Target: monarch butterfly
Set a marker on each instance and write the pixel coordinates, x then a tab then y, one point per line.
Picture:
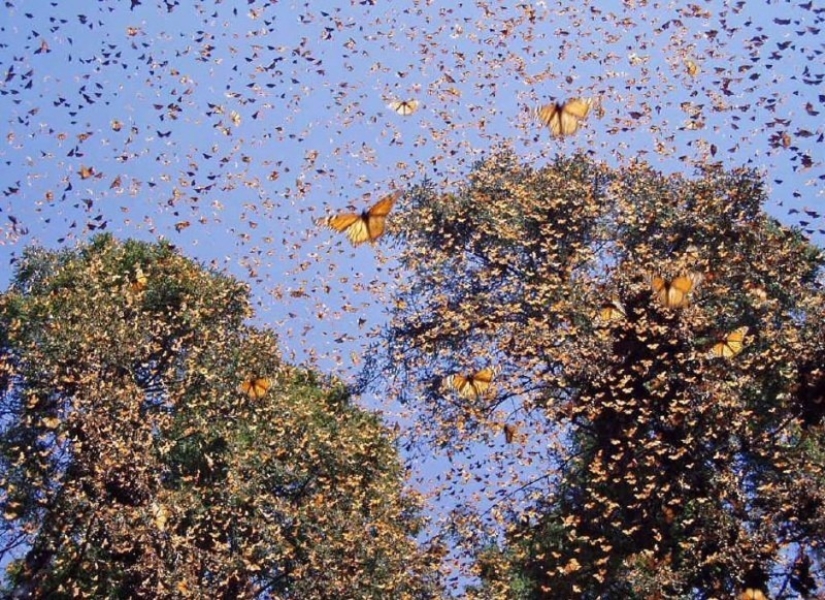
404	107
676	293
256	387
472	385
563	119
366	227
611	312
139	284
731	345
510	432
692	68
753	594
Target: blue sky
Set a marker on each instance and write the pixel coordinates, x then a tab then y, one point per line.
252	121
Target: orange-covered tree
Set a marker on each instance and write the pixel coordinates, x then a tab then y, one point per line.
657	342
153	445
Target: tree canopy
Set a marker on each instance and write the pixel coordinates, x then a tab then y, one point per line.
650	347
155	445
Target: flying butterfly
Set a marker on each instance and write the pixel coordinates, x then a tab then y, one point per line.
731	345
675	293
404	107
369	225
472	385
563	119
256	387
691	67
510	432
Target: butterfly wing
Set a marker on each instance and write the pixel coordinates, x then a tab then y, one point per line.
736	339
545	113
343	221
480	381
578	107
248	387
681	288
353	225
660	289
720	350
259	388
376	216
375	227
383	207
676	294
359	231
567	124
458	382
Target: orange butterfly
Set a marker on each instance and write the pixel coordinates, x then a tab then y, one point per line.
256	387
753	594
510	432
472	385
676	293
563	119
611	312
369	225
732	345
139	284
692	68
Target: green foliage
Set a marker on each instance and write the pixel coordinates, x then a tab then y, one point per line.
155	446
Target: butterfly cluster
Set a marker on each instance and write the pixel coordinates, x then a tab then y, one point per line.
610	316
114	121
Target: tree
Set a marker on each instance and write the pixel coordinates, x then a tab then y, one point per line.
153	445
658	342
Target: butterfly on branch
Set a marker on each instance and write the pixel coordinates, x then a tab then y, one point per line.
675	293
731	345
256	387
611	312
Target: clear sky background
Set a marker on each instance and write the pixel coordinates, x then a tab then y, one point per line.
232	128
